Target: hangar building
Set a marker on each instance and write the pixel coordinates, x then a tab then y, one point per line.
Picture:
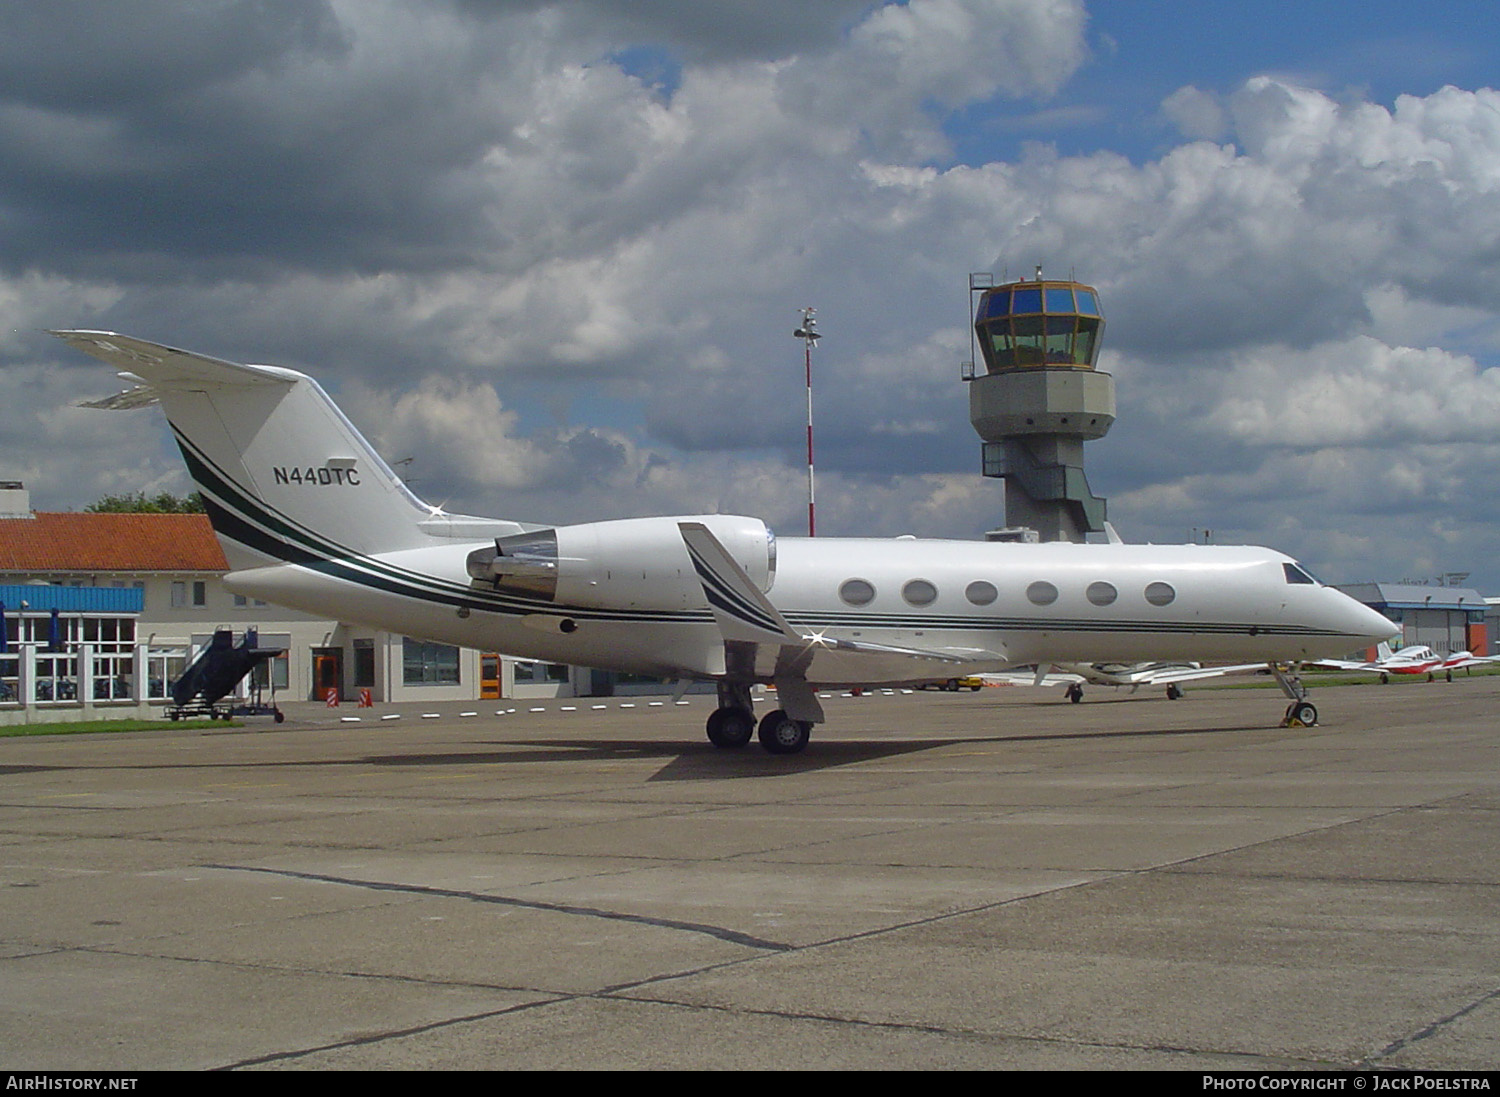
1446	619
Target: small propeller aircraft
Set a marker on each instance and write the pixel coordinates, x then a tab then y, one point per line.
311	517
1412	659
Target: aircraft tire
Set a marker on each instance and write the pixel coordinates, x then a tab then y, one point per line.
1304	713
780	734
1174	692
730	728
1075	693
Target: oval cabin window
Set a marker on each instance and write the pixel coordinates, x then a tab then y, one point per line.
857	592
1160	594
1101	594
981	593
1041	593
919	592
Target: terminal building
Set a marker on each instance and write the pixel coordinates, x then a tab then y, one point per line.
101	612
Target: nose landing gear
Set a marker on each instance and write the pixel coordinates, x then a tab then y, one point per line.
1301	713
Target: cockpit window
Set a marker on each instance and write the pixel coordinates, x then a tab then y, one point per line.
1295	574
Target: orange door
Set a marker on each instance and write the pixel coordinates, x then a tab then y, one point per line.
489	677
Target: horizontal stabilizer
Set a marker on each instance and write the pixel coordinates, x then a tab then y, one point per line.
166	367
141	396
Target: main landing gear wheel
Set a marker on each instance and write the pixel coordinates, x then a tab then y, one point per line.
1300	714
1174	692
780	734
1075	693
730	728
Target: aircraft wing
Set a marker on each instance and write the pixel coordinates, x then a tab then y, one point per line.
1063	674
1031	678
745	615
740	608
1468	659
1162	676
1414	659
1347	664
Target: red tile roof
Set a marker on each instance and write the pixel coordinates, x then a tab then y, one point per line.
110	542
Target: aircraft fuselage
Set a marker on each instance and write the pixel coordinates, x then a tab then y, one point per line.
991	605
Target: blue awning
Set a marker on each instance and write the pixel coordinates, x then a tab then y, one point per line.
45	599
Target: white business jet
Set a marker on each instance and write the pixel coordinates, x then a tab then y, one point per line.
311	518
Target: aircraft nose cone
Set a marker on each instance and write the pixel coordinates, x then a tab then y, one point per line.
1364	623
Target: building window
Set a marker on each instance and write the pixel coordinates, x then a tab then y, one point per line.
364	663
277	670
527	670
424	663
181	592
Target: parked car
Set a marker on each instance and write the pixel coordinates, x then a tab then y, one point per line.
953	685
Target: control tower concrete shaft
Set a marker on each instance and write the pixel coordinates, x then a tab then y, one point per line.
1039	399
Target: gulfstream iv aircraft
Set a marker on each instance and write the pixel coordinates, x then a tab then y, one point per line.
311	518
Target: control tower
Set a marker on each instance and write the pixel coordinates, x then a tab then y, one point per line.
1039	399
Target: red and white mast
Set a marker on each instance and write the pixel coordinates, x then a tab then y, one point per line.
809	335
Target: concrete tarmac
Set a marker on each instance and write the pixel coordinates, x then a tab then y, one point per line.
991	880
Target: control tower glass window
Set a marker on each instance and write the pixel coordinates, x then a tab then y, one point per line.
1059	300
1028	324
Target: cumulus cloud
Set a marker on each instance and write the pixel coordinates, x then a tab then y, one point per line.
1197	114
1357	393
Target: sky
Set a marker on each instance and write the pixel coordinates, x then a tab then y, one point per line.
550	256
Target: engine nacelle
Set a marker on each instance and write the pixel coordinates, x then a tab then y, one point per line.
634	563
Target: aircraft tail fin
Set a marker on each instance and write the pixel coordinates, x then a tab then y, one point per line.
285	477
